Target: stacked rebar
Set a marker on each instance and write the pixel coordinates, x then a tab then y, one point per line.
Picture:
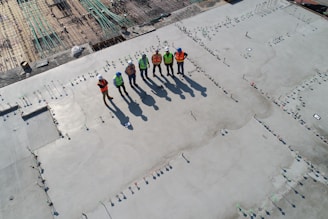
109	21
45	39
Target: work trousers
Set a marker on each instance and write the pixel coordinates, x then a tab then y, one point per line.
180	68
132	79
142	71
159	67
168	67
119	89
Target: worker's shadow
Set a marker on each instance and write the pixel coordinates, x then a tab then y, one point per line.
134	108
196	86
146	98
172	87
120	115
184	86
157	89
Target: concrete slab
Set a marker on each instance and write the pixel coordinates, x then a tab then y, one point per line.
234	138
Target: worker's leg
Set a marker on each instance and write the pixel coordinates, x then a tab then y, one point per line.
124	89
171	66
167	69
109	97
146	73
104	96
179	67
160	69
130	80
119	89
142	74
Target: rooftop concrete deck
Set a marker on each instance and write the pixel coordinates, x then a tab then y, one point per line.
243	135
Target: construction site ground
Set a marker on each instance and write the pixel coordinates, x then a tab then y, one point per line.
242	135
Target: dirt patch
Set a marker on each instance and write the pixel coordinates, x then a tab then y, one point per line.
209	3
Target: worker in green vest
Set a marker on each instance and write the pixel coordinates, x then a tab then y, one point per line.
118	82
168	61
143	66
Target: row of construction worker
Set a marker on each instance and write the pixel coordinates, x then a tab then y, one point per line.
143	64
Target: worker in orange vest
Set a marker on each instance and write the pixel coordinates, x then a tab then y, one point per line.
103	84
180	56
157	60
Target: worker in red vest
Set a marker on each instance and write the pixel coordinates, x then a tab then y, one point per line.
130	70
103	84
157	60
180	56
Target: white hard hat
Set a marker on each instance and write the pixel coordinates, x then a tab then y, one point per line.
99	77
130	62
166	49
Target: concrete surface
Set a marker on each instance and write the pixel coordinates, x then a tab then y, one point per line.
243	135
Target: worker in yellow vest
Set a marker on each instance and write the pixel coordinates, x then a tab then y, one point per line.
103	85
168	61
180	56
143	66
156	59
118	82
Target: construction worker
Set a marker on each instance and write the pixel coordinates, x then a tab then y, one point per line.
143	66
103	84
180	56
118	82
130	70
168	61
156	59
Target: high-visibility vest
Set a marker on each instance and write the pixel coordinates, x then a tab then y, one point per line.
179	56
142	64
168	58
156	59
118	80
131	69
103	83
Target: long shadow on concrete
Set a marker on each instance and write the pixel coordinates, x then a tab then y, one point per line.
196	86
172	87
120	115
157	89
146	98
134	108
184	86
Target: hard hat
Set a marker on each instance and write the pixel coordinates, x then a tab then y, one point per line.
166	49
130	62
118	74
179	49
99	77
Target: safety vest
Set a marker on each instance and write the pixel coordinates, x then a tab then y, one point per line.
118	80
103	83
156	59
142	64
168	58
179	56
131	69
